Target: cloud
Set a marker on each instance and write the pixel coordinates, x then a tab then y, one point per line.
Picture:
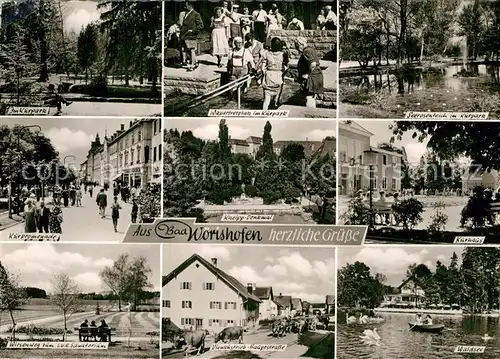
211	132
320	135
79	19
389	261
37	263
269	259
246	274
66	140
211	251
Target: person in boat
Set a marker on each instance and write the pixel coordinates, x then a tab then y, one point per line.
428	320
418	319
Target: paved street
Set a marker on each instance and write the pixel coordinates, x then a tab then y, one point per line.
85	224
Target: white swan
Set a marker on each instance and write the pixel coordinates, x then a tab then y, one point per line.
371	336
352	319
487	337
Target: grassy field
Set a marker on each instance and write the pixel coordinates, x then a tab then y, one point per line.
118	350
41	313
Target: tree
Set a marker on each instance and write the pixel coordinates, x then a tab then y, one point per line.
64	296
88	47
12	296
127	278
450	140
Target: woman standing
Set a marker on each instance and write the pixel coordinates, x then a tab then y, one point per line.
310	73
115	212
220	45
321	20
272	24
30	225
274	65
56	219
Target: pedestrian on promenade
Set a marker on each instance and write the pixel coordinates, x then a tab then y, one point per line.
72	195
115	212
43	217
30	225
135	210
56	219
65	195
79	197
91	191
102	202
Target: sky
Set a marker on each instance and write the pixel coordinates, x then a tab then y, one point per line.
78	14
306	273
208	128
394	261
381	133
71	136
35	264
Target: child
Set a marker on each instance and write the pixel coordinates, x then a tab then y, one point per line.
135	210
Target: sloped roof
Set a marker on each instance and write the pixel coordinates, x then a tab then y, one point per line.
263	292
411	278
238	142
354	126
284	301
296	303
330	299
254	139
219	273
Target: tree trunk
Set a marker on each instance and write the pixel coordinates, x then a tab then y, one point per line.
119	304
65	326
422	45
13	332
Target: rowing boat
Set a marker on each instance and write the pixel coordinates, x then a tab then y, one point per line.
426	328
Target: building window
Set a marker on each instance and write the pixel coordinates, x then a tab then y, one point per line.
394	183
166	304
159	152
187	304
138	155
214	322
230	321
139	136
230	305
187	321
343	156
133	139
186	285
394	160
154	127
208	286
146	154
384	160
154	154
215	305
374	183
384	182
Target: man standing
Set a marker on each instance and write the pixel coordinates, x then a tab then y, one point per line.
43	217
259	18
330	19
102	202
191	27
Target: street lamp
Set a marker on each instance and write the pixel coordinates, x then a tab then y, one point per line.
19	133
370	160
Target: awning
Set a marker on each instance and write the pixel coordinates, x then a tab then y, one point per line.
114	178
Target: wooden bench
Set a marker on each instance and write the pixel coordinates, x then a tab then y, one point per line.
84	333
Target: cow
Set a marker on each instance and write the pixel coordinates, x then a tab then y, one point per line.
193	340
230	333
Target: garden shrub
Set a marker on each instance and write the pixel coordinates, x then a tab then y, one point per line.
408	212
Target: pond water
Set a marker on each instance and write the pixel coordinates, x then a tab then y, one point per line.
398	342
436	90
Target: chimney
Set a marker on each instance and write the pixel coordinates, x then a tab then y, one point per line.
254	285
122	127
281	294
250	288
214	261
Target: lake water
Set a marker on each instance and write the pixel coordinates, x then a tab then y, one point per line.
399	343
435	90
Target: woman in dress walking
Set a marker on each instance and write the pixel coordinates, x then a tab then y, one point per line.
30	224
310	73
274	65
56	219
115	212
220	45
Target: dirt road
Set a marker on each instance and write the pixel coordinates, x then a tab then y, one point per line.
293	348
